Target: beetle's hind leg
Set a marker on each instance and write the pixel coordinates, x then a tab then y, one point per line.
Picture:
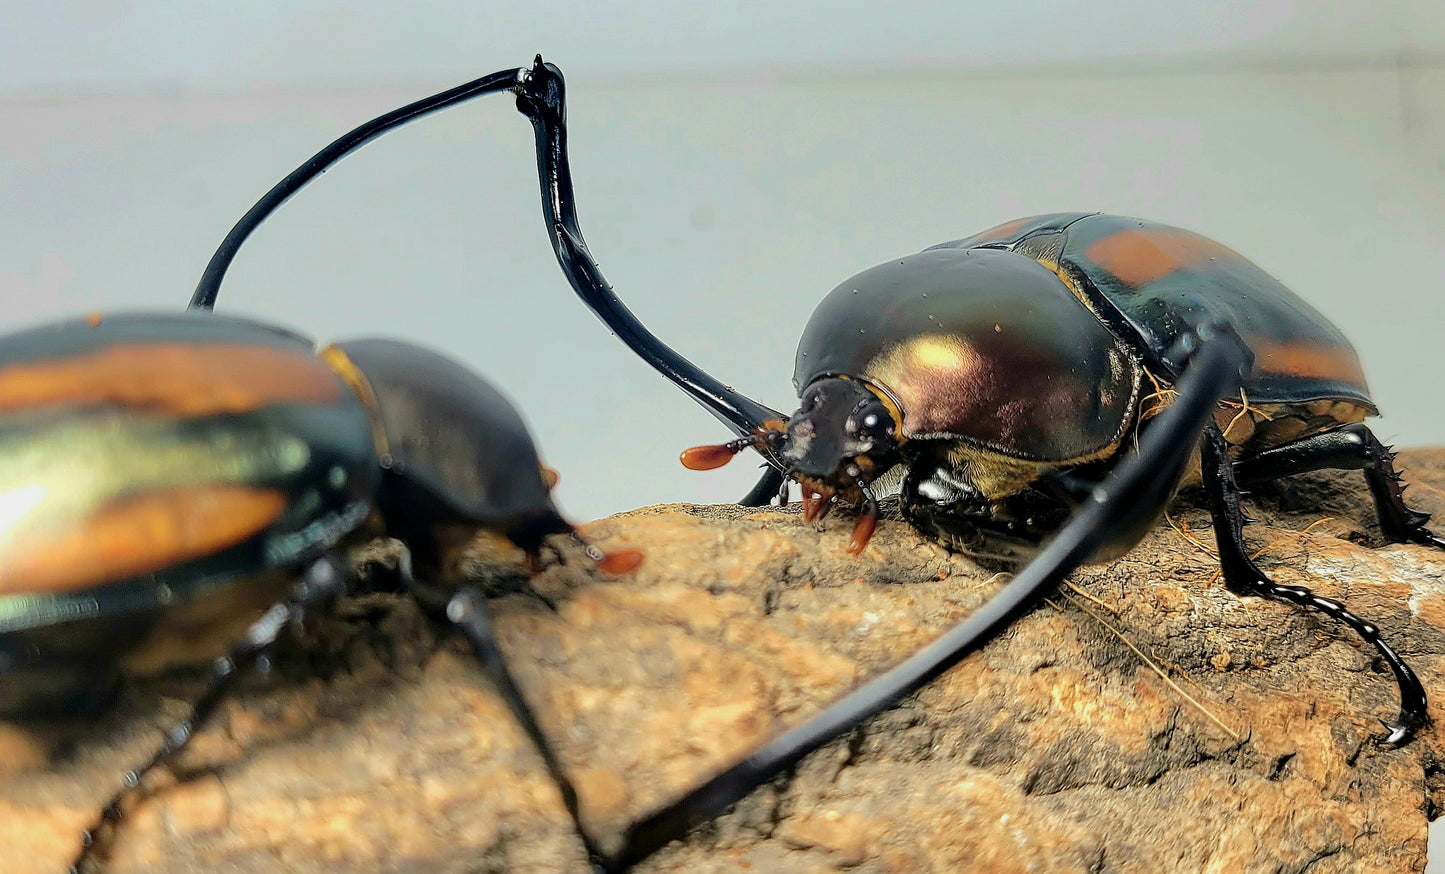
1348	447
324	581
1244	577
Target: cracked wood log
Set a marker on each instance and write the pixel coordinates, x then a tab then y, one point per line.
377	747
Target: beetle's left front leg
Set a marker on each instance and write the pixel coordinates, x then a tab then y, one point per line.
1243	576
772	483
468	611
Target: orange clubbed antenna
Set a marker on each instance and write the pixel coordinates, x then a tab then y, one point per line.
708	457
716	455
620	561
616	562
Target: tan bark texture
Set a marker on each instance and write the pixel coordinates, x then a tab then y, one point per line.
378	745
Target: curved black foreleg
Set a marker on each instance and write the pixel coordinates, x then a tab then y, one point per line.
542	98
204	297
467	610
1243	576
771	485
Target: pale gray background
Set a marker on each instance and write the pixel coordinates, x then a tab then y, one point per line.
733	162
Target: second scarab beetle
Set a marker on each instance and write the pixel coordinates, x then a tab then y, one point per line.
182	487
165	478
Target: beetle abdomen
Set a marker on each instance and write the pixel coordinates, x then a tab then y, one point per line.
146	459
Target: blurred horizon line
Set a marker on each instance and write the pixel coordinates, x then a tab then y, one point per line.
1186	64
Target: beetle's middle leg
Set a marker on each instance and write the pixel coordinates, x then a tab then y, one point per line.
1348	447
467	610
771	484
324	581
1243	576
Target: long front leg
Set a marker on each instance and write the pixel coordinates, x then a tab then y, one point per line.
1348	447
771	484
1139	486
1243	576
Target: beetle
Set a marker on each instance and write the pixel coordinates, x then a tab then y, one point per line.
1036	393
169	478
994	382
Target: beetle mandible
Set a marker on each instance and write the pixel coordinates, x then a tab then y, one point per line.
1003	376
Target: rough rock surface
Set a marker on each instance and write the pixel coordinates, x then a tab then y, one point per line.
377	747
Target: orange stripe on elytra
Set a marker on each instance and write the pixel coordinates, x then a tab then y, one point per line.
137	535
1308	359
998	233
1140	256
183	379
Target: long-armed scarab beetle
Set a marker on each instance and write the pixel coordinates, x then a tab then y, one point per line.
1002	382
169	477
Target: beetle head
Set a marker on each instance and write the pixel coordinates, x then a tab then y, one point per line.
456	453
844	435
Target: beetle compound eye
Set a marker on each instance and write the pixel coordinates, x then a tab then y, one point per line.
871	422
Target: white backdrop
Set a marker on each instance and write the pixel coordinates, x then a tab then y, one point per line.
733	163
103	45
